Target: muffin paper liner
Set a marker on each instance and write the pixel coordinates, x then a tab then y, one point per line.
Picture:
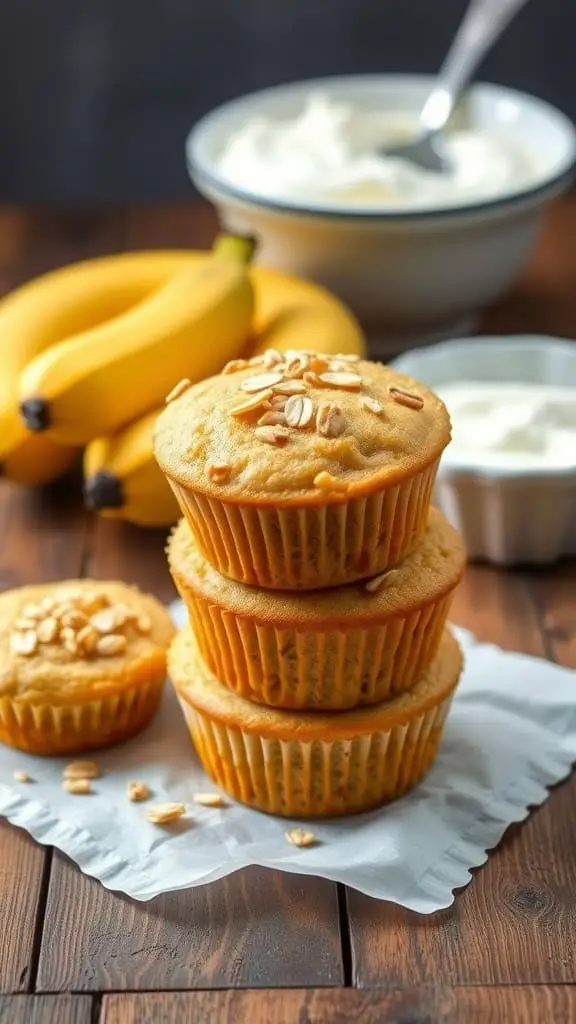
77	727
310	546
330	669
320	778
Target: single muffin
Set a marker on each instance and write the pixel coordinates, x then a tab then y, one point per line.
318	764
299	471
329	649
82	664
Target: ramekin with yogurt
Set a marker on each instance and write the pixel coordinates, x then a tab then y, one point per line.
414	255
508	478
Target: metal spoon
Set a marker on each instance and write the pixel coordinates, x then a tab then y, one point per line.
483	23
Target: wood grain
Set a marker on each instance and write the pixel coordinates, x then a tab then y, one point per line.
255	928
556	600
516	922
512	1005
21	865
45	1010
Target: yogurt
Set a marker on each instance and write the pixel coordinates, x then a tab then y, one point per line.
512	426
328	153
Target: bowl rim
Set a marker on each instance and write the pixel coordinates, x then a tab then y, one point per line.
205	176
485	472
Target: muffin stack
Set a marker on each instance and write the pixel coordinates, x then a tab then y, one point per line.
315	674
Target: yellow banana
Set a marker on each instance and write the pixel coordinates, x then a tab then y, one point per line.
291	313
122	479
34	459
91	384
66	302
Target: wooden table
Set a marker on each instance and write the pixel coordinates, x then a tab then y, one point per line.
261	947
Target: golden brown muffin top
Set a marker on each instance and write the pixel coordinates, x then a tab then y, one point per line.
62	641
200	688
298	427
433	569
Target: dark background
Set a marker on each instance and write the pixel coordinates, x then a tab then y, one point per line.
96	97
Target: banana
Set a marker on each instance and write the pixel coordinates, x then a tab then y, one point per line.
66	302
34	459
122	479
94	382
291	313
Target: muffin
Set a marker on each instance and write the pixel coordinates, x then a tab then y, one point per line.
329	649
319	764
82	665
301	471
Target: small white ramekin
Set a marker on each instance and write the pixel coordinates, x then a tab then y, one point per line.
506	516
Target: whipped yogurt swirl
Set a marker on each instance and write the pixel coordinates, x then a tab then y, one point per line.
522	426
328	154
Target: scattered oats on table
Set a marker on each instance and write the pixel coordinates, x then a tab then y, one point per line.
209	800
81	770
163	814
138	791
78	787
301	837
21	776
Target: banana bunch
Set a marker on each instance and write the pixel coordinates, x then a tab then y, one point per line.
90	351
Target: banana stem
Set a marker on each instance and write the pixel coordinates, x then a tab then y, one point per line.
237	247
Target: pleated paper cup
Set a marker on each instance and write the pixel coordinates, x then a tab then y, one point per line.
303	547
79	725
331	649
314	765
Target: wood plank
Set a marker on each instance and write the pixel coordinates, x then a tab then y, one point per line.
555	592
254	928
21	865
544	299
45	1009
516	921
43	538
514	1005
170	226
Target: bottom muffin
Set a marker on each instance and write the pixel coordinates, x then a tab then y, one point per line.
315	764
82	665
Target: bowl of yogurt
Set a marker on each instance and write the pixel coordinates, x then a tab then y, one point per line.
508	479
416	254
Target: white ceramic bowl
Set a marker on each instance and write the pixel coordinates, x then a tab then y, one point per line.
411	274
514	515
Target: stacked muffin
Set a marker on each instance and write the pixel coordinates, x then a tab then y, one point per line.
315	674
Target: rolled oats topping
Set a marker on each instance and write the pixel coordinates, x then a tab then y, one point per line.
407	398
260	382
178	390
84	623
299	411
272	435
342	379
250	405
330	421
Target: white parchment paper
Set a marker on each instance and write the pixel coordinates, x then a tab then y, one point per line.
511	734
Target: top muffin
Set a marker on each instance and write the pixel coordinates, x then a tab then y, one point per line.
298	428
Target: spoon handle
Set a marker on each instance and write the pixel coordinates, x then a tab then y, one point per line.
483	23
